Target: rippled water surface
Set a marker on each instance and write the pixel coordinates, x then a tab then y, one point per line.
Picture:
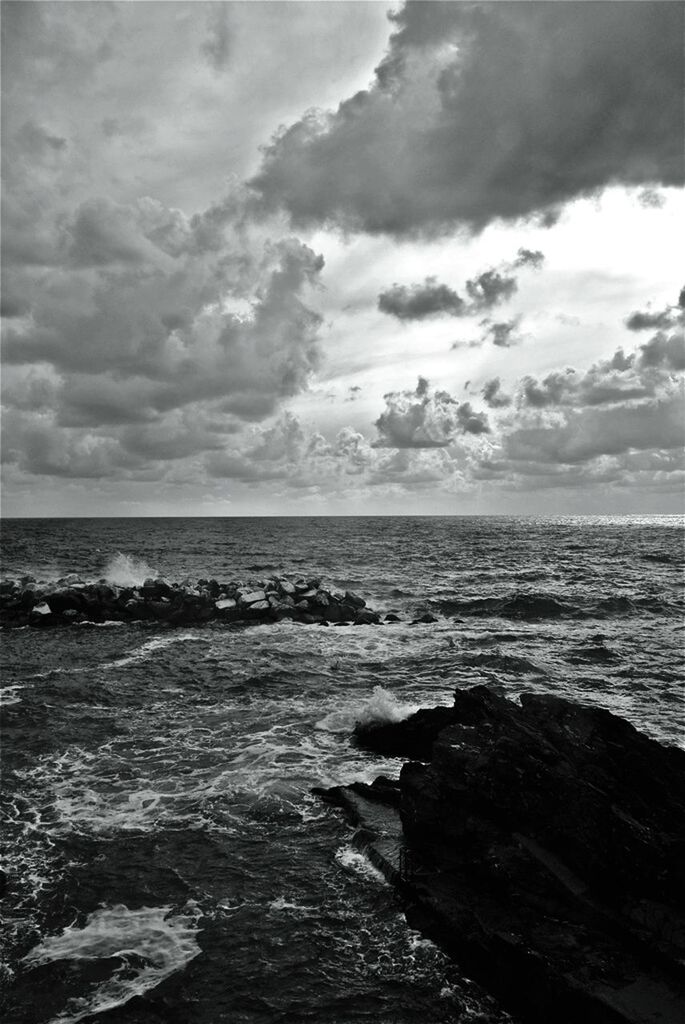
161	839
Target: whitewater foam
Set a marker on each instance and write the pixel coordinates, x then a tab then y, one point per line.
381	708
126	571
163	940
357	863
9	695
150	648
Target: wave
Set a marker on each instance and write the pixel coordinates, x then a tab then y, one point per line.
539	605
125	571
357	863
150	648
381	709
503	662
152	943
9	696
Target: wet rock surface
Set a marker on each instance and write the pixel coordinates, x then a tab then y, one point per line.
27	602
543	845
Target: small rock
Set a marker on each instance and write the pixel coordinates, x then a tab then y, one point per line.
364	617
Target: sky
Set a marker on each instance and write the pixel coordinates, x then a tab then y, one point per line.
312	258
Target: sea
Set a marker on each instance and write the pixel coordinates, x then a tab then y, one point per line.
166	859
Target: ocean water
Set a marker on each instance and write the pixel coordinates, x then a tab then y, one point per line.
166	859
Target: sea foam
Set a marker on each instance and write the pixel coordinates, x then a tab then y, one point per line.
165	942
382	707
125	571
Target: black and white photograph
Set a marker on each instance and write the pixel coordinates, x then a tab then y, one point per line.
342	535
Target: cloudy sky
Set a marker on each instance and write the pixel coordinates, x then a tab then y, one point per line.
342	257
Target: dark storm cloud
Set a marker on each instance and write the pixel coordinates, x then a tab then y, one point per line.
425	419
493	395
663	350
529	258
485	111
502	333
419	301
648	321
150	322
490	288
487	289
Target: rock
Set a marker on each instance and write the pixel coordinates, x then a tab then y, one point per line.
426	617
42	609
65	600
354	600
365	617
545	850
391	617
413	737
181	603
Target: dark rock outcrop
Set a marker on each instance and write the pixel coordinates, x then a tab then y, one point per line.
544	847
70	600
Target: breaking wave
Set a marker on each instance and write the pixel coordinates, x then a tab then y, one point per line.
126	571
381	709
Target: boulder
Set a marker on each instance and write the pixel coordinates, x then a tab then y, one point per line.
544	848
354	600
365	617
225	604
426	617
65	600
413	737
252	597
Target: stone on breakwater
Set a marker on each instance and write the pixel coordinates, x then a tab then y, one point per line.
545	849
176	604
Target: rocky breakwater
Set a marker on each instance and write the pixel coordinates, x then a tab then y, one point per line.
27	602
543	845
